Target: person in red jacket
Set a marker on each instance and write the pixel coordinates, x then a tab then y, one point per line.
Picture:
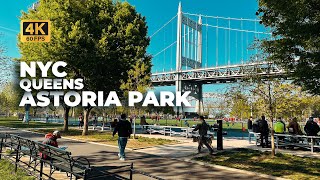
51	140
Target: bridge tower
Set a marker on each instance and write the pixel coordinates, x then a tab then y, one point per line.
189	55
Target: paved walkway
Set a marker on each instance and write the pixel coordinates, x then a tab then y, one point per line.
187	148
105	158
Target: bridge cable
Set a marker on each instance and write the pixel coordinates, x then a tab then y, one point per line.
255	39
172	29
229	49
164	49
247	47
224	18
225	48
236	45
195	44
241	42
206	42
184	41
217	43
164	53
163	26
233	29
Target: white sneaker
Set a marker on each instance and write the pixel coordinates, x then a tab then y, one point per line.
122	159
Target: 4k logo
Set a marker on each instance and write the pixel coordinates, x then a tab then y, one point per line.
35	31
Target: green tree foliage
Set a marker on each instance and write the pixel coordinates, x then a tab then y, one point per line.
238	103
9	99
295	24
100	40
6	66
138	80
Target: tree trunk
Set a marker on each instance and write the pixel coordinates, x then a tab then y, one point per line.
73	112
86	113
273	149
103	119
66	118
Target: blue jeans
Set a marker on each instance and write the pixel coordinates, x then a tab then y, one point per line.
122	142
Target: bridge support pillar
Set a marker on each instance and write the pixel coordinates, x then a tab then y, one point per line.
179	54
199	100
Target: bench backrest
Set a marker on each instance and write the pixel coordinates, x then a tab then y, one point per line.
55	155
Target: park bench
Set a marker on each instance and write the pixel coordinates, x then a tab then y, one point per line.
152	129
302	141
58	159
255	135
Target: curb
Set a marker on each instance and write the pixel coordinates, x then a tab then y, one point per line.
231	169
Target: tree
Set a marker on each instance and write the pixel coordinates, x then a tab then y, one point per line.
238	103
295	26
6	66
264	90
99	40
10	98
138	80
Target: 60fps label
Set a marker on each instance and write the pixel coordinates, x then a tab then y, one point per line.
35	31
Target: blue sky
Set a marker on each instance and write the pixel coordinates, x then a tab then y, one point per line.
157	13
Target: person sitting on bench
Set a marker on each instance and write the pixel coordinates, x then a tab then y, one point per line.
51	140
294	128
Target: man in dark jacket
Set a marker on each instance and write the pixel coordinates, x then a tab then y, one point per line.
250	124
311	127
203	128
264	131
124	131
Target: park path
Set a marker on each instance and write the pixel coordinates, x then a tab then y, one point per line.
105	158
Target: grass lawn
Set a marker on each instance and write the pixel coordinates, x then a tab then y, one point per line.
173	122
13	122
7	172
283	165
106	138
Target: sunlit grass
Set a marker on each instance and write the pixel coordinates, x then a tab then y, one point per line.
282	165
7	172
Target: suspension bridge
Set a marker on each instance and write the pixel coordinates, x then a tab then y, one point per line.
201	49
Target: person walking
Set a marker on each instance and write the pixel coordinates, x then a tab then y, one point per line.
95	121
264	131
47	117
124	130
80	121
203	128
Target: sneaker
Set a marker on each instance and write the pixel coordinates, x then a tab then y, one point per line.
122	159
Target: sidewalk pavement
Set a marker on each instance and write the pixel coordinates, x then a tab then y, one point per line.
187	148
105	158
